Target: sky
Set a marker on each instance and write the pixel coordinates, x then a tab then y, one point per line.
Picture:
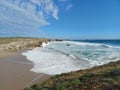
72	19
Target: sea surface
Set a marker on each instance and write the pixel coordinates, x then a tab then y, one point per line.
65	56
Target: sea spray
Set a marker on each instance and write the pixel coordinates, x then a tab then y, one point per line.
44	44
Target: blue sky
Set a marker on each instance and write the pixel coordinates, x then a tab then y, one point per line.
76	19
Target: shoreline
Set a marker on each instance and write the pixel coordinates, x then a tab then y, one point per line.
104	77
15	72
14	67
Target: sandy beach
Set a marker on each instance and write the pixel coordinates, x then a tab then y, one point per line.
15	72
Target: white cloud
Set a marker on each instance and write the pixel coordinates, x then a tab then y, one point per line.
62	0
55	13
65	4
68	7
25	16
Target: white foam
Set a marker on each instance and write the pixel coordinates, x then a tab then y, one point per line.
72	56
56	57
44	44
50	62
88	44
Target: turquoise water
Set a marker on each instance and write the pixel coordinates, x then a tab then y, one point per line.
95	53
66	56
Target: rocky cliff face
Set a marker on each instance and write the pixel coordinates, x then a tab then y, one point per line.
22	44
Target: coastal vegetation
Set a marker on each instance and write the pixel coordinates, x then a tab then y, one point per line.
105	77
8	40
20	43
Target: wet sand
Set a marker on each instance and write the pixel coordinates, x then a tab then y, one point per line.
15	72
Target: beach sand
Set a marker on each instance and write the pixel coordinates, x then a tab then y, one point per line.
15	72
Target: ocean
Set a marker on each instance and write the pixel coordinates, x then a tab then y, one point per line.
65	56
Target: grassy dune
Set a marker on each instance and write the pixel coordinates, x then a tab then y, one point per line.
20	43
7	40
106	77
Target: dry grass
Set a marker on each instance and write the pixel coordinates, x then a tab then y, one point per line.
8	40
14	44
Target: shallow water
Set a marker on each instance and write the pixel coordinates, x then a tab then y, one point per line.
60	57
